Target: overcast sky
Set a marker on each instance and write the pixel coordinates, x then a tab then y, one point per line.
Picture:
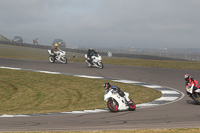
109	23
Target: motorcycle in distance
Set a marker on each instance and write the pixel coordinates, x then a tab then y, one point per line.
95	62
59	57
35	41
116	103
194	94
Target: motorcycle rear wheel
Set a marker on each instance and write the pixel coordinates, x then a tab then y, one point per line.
196	98
89	65
132	106
51	59
112	105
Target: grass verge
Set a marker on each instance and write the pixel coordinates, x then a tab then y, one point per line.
24	92
192	130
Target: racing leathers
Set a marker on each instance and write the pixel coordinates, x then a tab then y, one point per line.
54	51
192	81
90	53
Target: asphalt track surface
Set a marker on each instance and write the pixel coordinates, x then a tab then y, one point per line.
180	114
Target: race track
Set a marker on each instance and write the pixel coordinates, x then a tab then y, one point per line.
181	114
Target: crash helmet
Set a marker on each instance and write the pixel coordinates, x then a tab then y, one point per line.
187	77
56	45
106	85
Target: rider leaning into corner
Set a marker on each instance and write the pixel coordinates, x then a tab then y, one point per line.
90	53
190	81
54	50
108	87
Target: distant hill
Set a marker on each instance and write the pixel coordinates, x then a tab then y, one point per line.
3	38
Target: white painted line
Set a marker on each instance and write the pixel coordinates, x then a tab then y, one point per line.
49	72
101	110
77	112
65	112
169	92
166	99
89	111
127	81
14	116
152	86
86	111
94	111
12	68
92	77
146	105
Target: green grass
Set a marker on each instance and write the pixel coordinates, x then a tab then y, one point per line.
24	92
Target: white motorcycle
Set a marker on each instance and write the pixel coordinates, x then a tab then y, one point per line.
59	57
116	103
96	61
194	94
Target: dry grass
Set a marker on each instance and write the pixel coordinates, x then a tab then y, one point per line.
24	92
192	130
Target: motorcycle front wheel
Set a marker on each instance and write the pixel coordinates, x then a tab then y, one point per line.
51	59
112	105
64	59
100	65
196	98
132	106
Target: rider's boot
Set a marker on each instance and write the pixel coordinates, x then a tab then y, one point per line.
56	57
90	61
59	57
128	100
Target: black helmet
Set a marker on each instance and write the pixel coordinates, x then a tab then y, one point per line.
187	77
107	85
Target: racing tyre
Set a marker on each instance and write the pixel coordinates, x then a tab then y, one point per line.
51	59
132	106
64	59
112	105
196	98
100	65
89	65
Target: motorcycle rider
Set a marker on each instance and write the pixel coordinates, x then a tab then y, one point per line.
54	50
108	87
190	81
90	53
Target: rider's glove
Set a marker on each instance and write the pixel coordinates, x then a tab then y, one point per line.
114	91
